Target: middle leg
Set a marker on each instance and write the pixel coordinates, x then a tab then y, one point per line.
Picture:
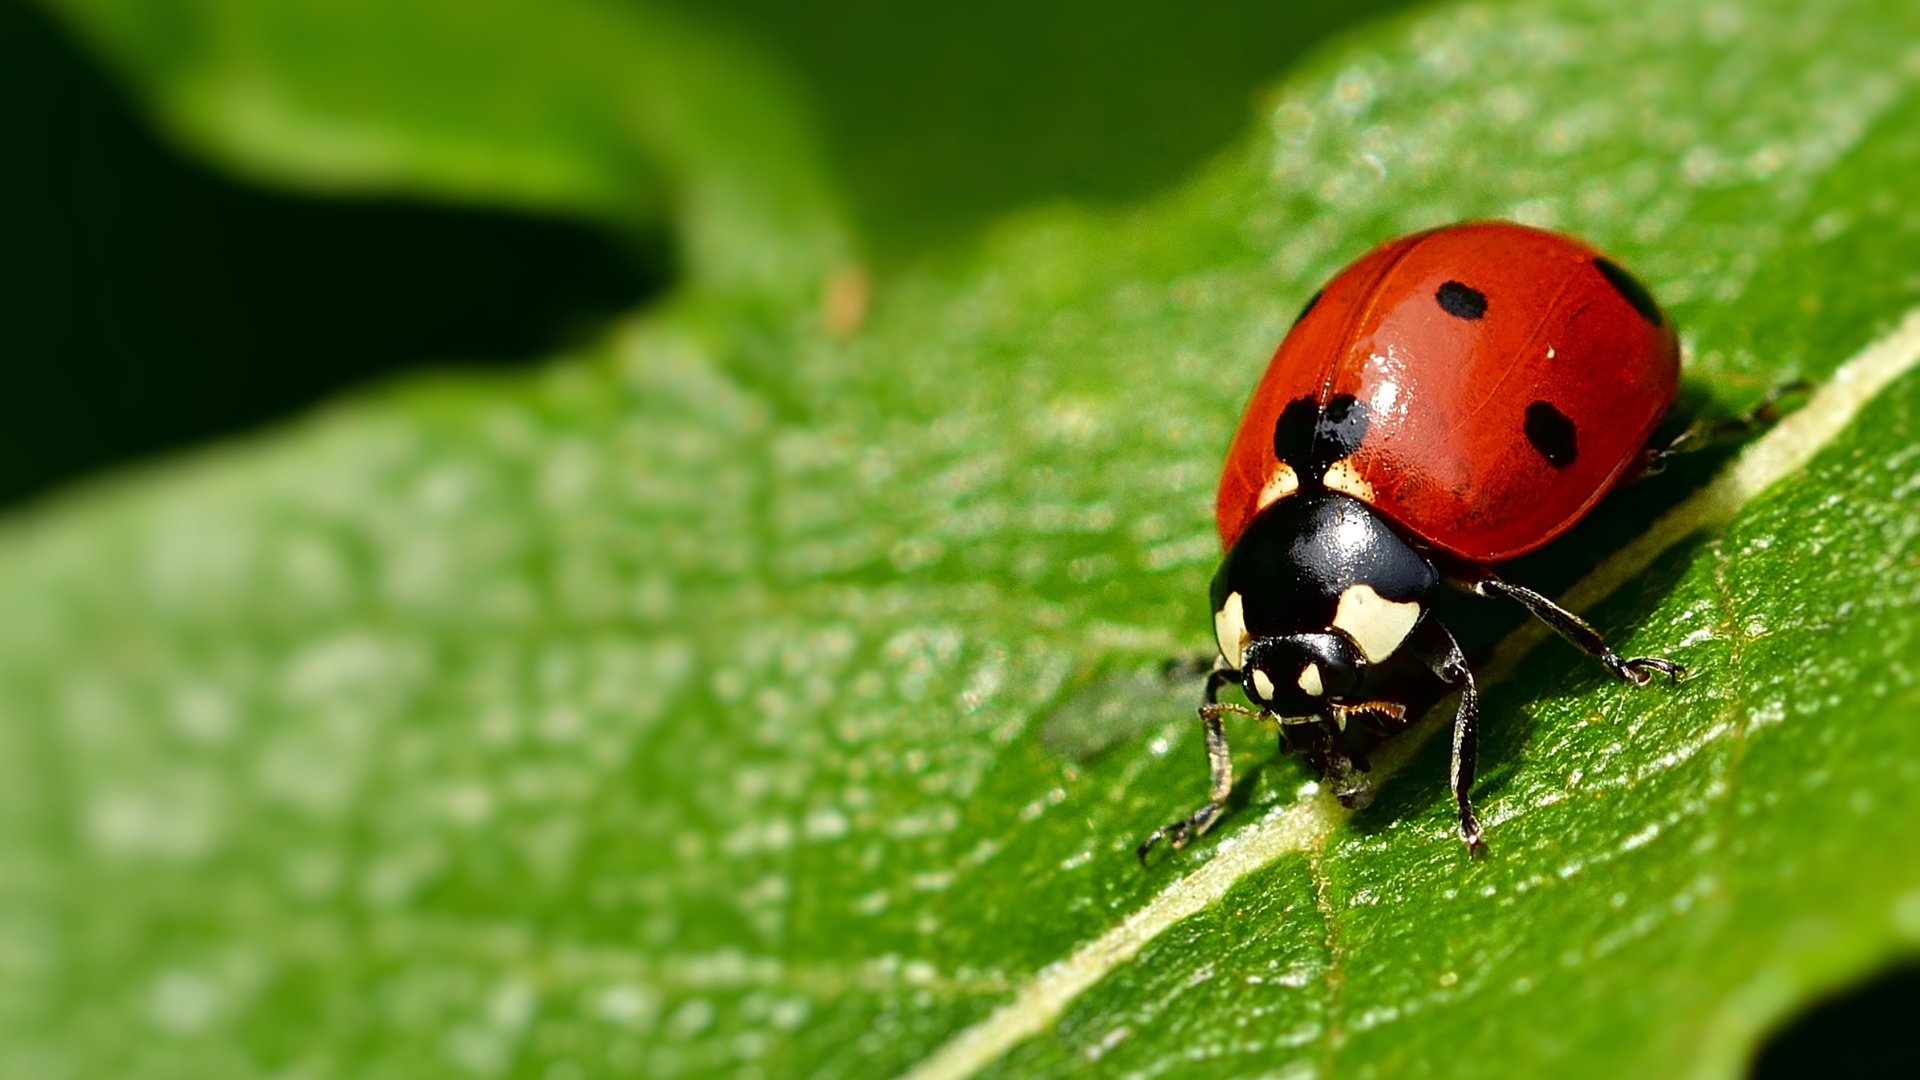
1638	670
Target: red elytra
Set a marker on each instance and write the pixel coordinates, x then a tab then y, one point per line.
1512	376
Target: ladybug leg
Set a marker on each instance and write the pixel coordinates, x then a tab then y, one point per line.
1638	670
1706	433
1218	677
1182	832
1434	645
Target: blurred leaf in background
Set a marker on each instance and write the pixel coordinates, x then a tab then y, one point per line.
147	301
941	117
724	698
142	290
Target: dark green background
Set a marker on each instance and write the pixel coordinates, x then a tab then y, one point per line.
148	303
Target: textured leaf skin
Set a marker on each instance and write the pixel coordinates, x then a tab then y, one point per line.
683	709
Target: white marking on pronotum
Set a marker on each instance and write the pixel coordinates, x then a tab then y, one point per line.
1342	476
1310	680
1282	483
1262	685
1039	1001
1376	624
1230	630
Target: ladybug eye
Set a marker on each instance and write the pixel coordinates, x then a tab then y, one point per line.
1262	685
1334	665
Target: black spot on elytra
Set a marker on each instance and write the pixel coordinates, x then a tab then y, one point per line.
1630	289
1310	438
1341	427
1311	300
1460	301
1551	433
1293	432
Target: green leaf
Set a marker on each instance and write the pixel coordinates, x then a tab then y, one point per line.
942	118
725	701
618	111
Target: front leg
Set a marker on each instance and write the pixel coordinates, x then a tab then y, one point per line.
1219	760
1638	670
1435	647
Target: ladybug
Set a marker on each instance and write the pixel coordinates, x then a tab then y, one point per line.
1451	400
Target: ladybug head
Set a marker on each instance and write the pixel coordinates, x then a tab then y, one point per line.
1298	674
1318	589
